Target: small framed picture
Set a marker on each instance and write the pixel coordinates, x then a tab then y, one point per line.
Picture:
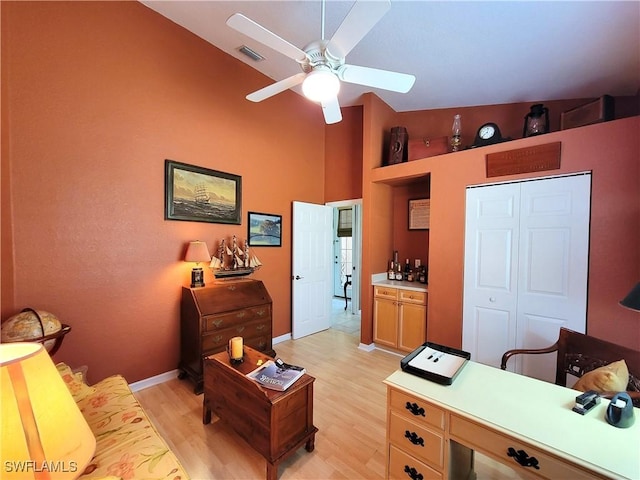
197	194
419	212
264	230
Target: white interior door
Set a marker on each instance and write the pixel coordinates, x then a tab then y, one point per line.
312	268
526	259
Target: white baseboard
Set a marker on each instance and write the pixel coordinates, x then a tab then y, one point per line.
281	338
367	348
155	380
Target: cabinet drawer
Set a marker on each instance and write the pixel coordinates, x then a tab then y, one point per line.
228	319
411	296
385	292
497	445
403	466
219	339
423	443
417	410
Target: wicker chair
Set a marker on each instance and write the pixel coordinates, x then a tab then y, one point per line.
579	353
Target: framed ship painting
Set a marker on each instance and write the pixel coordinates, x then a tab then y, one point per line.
264	230
198	194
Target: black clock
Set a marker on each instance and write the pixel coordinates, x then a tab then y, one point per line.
488	134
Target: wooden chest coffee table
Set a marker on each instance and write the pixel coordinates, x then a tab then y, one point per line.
274	423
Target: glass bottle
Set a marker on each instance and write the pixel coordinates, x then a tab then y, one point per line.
456	132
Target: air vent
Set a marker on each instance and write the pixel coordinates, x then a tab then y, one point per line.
253	55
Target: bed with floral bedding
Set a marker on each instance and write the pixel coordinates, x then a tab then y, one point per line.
127	444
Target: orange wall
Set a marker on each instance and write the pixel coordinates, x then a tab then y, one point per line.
343	157
95	96
610	150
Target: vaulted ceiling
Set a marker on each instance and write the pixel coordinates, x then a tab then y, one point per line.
462	53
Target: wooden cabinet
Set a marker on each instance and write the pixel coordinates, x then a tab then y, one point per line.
212	315
399	317
273	423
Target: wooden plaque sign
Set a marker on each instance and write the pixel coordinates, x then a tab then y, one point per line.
524	160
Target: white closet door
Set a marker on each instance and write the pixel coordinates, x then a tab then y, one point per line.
526	254
552	275
491	269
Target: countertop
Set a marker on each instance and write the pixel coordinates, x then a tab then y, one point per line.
380	279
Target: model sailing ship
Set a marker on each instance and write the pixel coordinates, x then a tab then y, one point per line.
234	261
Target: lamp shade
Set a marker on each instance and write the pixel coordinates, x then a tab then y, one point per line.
320	85
197	252
632	300
44	435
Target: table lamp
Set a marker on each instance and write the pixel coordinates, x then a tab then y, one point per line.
632	300
43	435
197	252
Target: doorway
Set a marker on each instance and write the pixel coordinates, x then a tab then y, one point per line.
347	258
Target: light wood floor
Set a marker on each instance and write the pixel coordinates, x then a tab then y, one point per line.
349	411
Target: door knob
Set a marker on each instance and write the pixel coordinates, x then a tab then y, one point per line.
492	299
297	277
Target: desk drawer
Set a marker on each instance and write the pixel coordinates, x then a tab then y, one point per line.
424	444
417	410
497	445
403	466
219	339
224	320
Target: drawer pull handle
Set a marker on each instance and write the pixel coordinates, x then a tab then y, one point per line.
415	409
240	329
260	312
412	473
414	438
523	458
261	327
217	323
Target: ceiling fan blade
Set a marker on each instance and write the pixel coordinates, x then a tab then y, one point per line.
256	31
275	88
361	18
374	77
331	111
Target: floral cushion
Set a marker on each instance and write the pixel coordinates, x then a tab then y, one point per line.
127	444
75	382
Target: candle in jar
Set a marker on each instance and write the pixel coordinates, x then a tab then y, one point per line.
236	348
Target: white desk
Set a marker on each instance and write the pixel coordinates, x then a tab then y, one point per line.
486	407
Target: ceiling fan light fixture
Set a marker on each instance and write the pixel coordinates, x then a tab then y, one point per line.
320	85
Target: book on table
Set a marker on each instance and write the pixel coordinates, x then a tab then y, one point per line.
276	375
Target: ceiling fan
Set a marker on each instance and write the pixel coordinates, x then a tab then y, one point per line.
323	61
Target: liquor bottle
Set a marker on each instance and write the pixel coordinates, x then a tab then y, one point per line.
391	274
407	269
456	133
410	277
399	275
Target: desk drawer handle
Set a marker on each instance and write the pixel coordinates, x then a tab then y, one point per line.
412	473
415	409
414	438
523	458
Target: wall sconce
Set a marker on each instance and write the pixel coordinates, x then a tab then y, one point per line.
42	427
632	300
536	122
197	252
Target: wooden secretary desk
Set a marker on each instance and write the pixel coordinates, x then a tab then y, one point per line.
210	316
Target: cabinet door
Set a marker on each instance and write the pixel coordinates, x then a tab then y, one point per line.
413	326
385	322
